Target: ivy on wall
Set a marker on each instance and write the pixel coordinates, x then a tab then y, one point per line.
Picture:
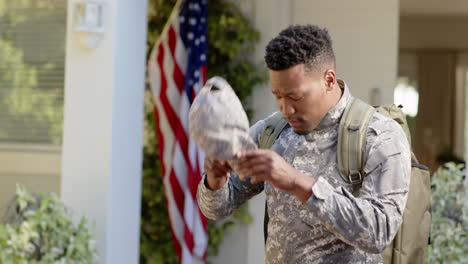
231	40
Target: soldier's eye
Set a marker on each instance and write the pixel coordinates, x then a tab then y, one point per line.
296	98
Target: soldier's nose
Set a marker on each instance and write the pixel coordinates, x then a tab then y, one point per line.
288	110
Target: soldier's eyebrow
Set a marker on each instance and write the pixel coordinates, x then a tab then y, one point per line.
288	94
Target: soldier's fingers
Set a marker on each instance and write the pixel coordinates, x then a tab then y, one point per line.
251	153
250	163
220	167
244	154
212	161
219	173
225	164
209	160
221	163
257	178
253	180
257	170
207	164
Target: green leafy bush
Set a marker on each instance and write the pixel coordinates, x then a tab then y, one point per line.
449	233
231	40
38	230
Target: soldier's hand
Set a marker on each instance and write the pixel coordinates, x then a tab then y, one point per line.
267	165
217	173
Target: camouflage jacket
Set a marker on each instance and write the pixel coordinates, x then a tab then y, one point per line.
332	226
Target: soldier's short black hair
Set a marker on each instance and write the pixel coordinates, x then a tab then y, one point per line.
300	44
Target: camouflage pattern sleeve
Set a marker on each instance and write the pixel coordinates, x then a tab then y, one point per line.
218	204
370	220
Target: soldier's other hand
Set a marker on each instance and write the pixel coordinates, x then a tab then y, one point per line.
217	172
266	165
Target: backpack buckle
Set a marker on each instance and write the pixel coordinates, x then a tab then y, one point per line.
355	177
269	130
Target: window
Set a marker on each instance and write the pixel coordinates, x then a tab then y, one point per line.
407	95
32	54
406	91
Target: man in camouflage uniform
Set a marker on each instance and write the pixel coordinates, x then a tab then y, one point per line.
314	217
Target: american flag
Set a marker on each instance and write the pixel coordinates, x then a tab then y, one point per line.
177	71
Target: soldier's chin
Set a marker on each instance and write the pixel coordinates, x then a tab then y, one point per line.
301	131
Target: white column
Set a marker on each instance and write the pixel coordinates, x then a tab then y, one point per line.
102	148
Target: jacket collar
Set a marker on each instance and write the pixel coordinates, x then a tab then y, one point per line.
333	116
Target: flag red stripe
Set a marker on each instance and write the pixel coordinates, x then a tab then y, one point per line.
203	219
177	247
170	117
204	74
173	119
177	74
160	140
193	181
177	191
188	236
179	198
198	171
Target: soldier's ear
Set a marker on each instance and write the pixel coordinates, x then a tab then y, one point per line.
330	79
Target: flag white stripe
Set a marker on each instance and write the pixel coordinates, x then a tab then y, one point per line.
175	216
191	213
164	126
178	100
181	54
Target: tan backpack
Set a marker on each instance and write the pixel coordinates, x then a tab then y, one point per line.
411	241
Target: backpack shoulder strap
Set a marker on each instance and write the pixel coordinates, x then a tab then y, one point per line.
274	125
352	140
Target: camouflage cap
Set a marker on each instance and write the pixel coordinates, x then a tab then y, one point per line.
218	122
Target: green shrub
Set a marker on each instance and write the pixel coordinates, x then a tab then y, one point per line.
38	230
449	233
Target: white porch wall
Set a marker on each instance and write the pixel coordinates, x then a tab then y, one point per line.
365	35
35	167
103	128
